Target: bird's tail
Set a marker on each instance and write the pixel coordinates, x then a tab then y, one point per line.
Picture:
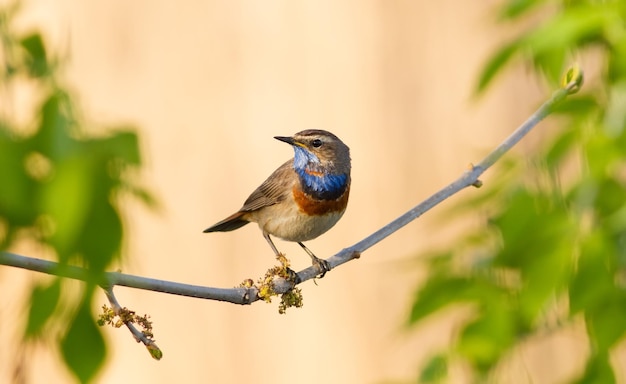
230	223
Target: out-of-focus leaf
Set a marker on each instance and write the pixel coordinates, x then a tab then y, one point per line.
122	145
38	63
542	255
67	199
615	116
53	138
435	295
435	371
592	282
550	63
101	239
140	193
514	223
495	64
605	327
43	301
617	61
573	26
60	186
610	198
598	370
441	291
515	8
16	190
602	155
83	346
486	338
580	105
555	249
549	45
564	145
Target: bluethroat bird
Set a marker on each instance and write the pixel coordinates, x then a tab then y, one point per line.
304	197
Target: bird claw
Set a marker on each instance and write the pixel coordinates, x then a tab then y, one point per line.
292	276
323	265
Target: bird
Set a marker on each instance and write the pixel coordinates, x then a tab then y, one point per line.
301	199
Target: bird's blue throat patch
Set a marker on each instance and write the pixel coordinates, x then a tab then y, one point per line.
324	187
316	181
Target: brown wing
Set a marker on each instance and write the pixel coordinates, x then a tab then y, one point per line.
275	189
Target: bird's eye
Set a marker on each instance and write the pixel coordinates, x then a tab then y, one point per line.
316	143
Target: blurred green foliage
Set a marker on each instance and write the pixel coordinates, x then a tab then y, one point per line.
551	255
61	187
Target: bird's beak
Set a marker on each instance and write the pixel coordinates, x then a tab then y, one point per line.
285	139
289	140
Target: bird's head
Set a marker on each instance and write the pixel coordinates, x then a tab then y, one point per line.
319	151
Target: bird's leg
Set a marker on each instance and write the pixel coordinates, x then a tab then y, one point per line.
269	240
293	276
321	263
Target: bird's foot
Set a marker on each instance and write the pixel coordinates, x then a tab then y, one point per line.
321	264
292	276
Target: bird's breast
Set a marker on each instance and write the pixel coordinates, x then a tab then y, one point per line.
313	206
300	218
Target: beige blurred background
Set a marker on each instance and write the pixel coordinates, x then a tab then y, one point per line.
210	83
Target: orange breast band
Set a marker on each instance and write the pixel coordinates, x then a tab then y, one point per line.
315	207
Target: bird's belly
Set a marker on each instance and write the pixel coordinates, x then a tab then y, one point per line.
288	222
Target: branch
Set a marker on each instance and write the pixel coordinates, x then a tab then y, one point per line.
571	84
110	279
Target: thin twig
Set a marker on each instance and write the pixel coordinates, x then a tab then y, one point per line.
250	295
117	308
126	316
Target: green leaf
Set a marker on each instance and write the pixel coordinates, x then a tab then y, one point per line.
67	199
593	281
598	370
83	346
38	63
615	116
605	326
435	371
484	340
609	199
550	44
60	191
513	9
575	25
442	290
43	301
16	198
435	295
53	138
495	64
101	240
576	106
122	145
563	146
617	61
561	228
